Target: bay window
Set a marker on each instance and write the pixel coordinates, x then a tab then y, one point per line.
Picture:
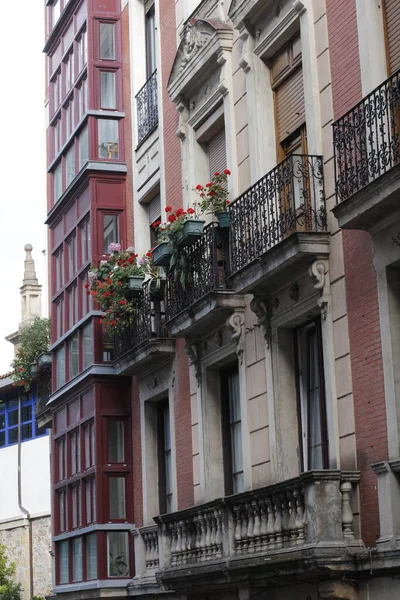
60	366
83	142
107	41
87	346
63	554
117	498
91	556
77	559
117	552
110	231
108	90
70	165
57	182
108	139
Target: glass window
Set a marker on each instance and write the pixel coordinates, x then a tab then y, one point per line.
60	367
9	420
72	252
235	421
164	468
108	138
91	556
83	147
72	306
76	506
150	42
75	452
89	445
59	268
63	505
110	231
63	562
85	241
62	459
67	72
82	99
57	136
117	552
107	87
117	497
60	317
87	303
77	559
107	45
56	11
90	490
70	164
56	92
57	182
116	442
87	346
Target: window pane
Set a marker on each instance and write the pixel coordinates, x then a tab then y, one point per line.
116	453
91	556
55	11
87	346
60	317
77	559
107	83
83	147
13	435
110	231
12	418
27	431
108	138
70	164
57	182
107	51
60	367
117	551
63	557
117	497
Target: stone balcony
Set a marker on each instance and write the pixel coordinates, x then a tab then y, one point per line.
367	156
276	531
146	340
278	226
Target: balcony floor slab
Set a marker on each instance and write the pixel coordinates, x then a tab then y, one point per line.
145	357
206	314
372	204
282	262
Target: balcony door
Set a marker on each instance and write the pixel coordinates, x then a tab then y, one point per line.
392	34
231	420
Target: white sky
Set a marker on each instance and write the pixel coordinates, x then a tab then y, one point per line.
22	165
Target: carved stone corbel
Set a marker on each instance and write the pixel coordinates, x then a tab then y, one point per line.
236	324
259	307
193	351
183	118
319	273
246	60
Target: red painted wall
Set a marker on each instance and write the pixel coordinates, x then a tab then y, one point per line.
173	178
361	284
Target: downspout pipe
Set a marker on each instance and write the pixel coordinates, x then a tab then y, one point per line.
20	506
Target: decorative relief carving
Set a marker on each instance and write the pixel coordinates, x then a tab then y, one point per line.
194	350
318	271
236	324
156	380
196	36
259	307
396	239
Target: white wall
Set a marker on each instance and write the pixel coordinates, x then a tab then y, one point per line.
35	467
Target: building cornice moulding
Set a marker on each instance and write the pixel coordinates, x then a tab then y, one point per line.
283	31
198	54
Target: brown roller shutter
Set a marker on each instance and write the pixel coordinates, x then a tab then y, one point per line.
290	110
392	25
217	153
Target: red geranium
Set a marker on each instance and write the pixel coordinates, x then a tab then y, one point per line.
227	172
168	209
191	211
171	218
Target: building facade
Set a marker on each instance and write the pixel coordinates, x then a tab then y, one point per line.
25	465
241	438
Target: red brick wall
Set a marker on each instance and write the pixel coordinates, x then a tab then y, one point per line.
361	285
173	177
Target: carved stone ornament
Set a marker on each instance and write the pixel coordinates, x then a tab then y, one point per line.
318	271
155	380
193	350
195	37
236	324
260	309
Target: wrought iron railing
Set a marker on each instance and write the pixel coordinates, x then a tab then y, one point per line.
201	269
289	199
147	107
148	323
366	139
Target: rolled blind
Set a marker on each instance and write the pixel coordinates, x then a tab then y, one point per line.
154	209
290	110
217	153
392	11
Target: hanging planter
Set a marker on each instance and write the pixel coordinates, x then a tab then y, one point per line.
135	285
223	219
44	360
157	289
162	254
192	230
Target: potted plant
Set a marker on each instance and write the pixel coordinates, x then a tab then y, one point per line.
192	228
155	274
115	284
34	340
163	251
44	360
214	197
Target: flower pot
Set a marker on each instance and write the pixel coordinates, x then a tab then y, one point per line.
135	285
223	219
44	360
162	254
192	231
157	289
34	369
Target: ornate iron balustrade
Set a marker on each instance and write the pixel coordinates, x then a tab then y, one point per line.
286	515
149	323
289	199
203	269
366	139
147	107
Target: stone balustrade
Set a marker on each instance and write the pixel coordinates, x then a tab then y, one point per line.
150	540
312	509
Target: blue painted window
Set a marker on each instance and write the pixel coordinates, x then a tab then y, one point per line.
9	420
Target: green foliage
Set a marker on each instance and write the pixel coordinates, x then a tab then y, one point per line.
9	590
214	195
33	341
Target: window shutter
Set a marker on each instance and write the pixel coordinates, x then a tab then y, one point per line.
154	209
217	153
290	110
392	14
